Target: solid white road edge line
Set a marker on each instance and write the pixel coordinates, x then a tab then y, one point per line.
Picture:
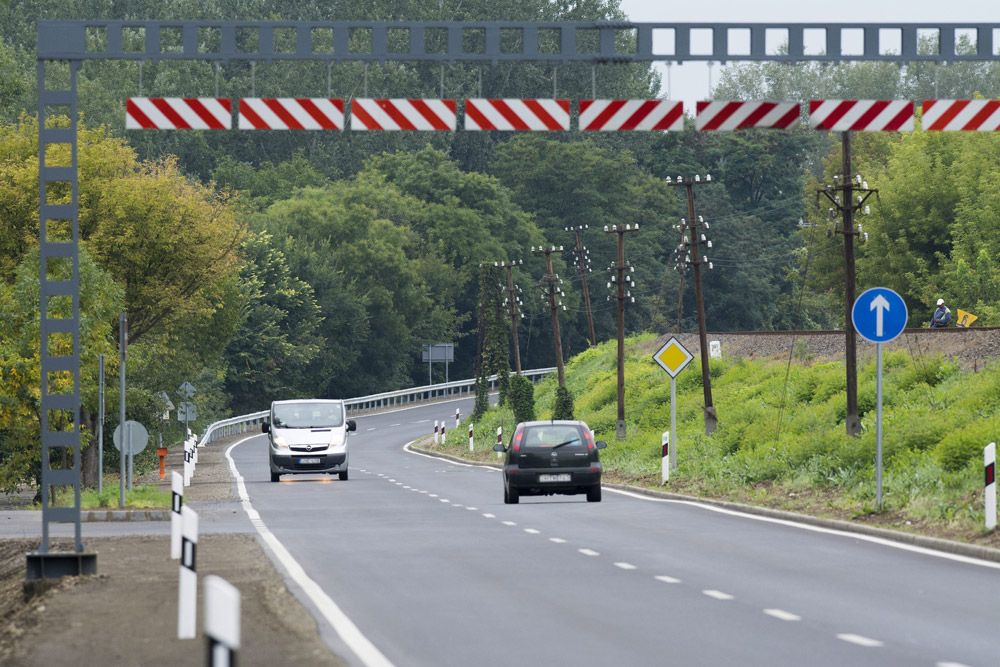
366	652
766	519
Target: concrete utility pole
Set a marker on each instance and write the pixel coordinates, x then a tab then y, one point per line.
694	240
552	291
125	444
513	307
583	268
621	276
846	203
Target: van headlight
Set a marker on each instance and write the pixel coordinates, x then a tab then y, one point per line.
280	442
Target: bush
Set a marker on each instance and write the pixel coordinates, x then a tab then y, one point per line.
564	404
522	398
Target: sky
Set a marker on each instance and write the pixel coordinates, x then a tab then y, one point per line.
690	81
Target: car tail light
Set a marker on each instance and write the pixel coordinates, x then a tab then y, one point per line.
517	441
589	439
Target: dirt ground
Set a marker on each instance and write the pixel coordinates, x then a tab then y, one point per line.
127	613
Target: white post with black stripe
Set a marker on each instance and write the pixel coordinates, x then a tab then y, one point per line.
665	457
458	418
187	590
222	621
187	464
472	434
176	502
500	440
990	467
436	433
442	431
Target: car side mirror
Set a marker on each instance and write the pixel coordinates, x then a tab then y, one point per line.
499	448
265	427
601	444
352	425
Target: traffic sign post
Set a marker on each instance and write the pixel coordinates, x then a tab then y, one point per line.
879	315
672	358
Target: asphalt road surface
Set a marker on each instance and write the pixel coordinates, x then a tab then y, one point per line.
417	561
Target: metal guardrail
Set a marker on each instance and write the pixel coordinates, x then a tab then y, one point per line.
372	404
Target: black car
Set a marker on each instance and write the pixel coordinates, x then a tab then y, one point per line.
545	458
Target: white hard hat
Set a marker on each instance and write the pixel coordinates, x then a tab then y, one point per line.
940	302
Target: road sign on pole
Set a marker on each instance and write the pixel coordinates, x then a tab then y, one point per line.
136	437
187	412
186	390
879	315
673	358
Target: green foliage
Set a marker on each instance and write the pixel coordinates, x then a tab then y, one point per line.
522	398
563	408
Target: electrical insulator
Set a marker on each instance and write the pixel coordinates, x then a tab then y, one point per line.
709	244
633	299
710	266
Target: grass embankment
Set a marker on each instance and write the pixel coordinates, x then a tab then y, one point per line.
937	419
140	497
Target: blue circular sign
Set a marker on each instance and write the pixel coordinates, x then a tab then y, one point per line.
879	315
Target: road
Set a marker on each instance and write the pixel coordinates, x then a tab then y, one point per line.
421	558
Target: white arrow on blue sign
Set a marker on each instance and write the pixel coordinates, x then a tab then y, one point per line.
879	315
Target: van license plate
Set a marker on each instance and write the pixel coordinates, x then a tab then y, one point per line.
554	478
308	461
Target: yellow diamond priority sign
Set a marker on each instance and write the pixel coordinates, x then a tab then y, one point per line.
672	357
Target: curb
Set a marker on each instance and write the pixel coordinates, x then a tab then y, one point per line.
125	515
937	543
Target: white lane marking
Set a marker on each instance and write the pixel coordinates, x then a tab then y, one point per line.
530	531
718	595
419	421
443	500
950	664
489	516
423	492
459	505
391	480
860	640
408	488
433	495
766	519
557	540
370	429
588	552
509	523
367	653
783	615
625	566
667	580
471	509
362	470
390	425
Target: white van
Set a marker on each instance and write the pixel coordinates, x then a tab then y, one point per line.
308	436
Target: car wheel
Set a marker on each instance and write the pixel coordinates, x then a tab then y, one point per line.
343	476
594	494
510	496
275	477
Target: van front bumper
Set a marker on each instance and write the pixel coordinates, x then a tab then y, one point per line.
285	464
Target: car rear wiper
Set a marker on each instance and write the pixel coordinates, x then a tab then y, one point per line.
565	443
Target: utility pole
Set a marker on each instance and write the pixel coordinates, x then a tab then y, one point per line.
513	307
552	291
694	240
583	268
621	275
846	204
681	267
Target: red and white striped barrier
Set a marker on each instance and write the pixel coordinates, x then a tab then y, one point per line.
178	113
862	115
291	113
726	116
961	116
627	115
516	115
402	114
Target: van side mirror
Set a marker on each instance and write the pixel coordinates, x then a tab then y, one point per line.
499	448
352	425
601	444
265	427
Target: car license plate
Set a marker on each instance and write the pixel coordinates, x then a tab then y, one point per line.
554	478
308	461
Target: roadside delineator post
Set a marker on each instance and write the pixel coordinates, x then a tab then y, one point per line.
990	467
187	465
458	418
665	457
222	621
442	431
176	503
436	433
500	440
471	436
187	590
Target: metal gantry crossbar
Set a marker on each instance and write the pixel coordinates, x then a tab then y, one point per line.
491	42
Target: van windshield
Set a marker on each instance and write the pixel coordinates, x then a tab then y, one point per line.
552	436
307	415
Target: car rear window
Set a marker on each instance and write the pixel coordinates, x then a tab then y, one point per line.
555	435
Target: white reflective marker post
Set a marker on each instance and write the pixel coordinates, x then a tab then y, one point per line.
435	431
665	457
471	435
176	503
500	440
187	588
458	418
990	467
222	621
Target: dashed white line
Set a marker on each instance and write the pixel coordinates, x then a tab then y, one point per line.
391	480
625	566
588	552
419	421
390	425
860	640
459	505
557	540
370	429
667	580
783	615
405	487
509	523
489	516
472	509
423	492
444	500
718	595
950	664
532	531
433	495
